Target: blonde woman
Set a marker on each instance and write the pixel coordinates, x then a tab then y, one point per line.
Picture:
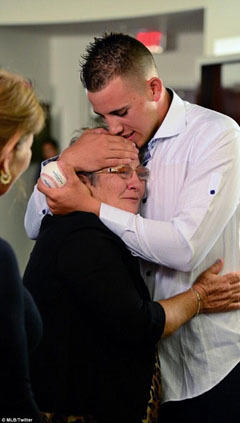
21	116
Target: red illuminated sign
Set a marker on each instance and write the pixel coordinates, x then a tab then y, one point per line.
153	40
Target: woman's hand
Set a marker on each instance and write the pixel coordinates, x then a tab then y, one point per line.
218	293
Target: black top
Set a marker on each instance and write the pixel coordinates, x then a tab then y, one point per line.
20	331
100	326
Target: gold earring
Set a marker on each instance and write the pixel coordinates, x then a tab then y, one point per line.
5	178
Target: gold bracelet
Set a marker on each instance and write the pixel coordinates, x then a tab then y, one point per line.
199	300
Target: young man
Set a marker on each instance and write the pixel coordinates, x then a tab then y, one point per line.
191	214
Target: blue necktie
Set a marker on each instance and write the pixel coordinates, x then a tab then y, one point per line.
145	154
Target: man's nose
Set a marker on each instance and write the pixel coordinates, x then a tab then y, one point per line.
115	127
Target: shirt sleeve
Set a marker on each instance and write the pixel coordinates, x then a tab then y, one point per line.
37	208
208	200
106	290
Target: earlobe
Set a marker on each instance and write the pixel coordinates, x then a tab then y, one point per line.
4	163
6	157
5	160
5	177
155	85
5	174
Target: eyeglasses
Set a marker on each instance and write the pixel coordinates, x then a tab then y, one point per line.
126	172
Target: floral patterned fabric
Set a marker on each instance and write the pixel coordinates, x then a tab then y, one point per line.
155	394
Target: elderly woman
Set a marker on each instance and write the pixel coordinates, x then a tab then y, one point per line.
21	116
96	361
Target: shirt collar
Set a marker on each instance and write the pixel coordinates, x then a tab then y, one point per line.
175	120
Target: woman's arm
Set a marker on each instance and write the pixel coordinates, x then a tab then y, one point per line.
211	293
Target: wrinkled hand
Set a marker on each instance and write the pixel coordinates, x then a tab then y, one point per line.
72	196
97	148
218	293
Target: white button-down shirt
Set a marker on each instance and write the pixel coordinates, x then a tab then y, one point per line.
191	218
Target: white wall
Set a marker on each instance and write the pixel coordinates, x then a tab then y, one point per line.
70	106
27	53
178	68
61	11
221	21
221	17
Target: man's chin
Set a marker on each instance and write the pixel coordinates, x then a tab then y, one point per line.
140	142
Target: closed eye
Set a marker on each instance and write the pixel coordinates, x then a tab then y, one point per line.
121	114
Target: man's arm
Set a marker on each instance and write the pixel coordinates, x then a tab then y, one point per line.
207	202
200	217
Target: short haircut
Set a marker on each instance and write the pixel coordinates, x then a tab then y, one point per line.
113	55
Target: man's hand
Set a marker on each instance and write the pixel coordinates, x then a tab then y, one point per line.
74	195
218	293
97	148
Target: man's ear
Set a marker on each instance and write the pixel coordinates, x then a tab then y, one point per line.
155	88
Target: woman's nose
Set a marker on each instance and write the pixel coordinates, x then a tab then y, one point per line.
134	182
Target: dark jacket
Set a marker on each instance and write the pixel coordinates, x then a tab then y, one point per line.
99	325
20	331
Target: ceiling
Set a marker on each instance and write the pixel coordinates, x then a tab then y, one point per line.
188	21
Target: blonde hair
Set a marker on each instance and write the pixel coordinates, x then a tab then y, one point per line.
20	109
